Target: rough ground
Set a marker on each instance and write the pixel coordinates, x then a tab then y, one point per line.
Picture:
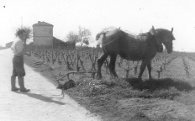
43	103
170	98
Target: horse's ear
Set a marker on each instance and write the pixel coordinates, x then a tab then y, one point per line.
172	30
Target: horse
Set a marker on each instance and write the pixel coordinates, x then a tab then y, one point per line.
142	47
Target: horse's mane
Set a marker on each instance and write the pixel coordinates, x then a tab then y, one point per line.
162	31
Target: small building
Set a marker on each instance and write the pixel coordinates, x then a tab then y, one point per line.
43	34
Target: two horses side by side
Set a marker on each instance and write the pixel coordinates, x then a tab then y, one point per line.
133	47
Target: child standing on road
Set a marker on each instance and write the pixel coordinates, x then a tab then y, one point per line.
18	48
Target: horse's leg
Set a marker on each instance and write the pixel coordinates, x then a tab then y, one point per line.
149	69
100	61
142	68
112	65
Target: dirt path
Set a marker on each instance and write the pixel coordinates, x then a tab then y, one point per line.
42	103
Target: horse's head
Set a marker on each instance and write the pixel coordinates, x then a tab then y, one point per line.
153	36
166	37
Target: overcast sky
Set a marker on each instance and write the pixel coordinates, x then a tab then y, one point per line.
134	16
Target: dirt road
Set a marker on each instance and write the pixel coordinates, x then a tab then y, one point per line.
43	103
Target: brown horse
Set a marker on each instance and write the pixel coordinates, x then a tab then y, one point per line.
141	47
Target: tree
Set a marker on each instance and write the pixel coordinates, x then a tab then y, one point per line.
83	36
26	31
85	41
72	37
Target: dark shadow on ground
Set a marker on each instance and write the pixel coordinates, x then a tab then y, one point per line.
159	84
43	98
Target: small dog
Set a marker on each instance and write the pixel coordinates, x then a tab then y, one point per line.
67	85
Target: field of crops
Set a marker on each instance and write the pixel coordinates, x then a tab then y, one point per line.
169	96
84	59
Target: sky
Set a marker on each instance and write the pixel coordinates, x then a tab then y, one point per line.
135	16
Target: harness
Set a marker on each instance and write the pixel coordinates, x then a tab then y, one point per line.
141	37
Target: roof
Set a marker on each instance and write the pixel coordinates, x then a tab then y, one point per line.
56	39
42	23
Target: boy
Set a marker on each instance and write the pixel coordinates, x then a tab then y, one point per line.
18	48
